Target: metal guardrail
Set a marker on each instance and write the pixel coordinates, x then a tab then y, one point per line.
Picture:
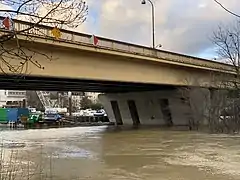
85	39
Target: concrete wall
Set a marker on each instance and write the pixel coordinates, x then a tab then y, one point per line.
11	95
149	108
200	104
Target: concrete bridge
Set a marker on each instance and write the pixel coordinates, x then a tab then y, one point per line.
113	67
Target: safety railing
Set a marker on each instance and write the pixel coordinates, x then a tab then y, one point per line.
85	39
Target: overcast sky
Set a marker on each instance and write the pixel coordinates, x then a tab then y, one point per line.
183	26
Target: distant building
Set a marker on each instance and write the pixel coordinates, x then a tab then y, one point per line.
76	101
37	98
11	97
92	96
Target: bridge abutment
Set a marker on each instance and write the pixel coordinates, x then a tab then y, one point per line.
179	107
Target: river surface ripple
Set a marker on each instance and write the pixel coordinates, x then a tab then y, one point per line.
98	153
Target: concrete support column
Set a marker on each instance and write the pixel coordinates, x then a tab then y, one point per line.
70	103
163	107
142	106
200	103
218	102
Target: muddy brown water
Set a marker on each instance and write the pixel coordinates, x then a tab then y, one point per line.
140	154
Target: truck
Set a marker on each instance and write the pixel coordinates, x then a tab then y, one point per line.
52	115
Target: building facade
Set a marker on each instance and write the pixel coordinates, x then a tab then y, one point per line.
92	96
12	97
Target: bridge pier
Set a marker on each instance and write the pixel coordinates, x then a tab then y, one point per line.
163	107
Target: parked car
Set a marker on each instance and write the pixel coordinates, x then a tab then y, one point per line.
100	112
52	117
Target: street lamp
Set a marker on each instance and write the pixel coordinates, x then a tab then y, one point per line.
153	22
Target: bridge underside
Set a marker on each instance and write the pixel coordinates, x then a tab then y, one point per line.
62	84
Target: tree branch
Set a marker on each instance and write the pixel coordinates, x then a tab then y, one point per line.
16	58
226	9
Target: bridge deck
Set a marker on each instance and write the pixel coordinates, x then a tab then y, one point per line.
113	45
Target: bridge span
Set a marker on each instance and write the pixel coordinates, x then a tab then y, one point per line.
141	84
73	56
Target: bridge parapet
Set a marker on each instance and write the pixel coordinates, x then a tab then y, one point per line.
44	31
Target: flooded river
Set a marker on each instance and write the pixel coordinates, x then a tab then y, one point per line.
96	153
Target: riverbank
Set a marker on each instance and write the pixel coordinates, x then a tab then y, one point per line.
55	125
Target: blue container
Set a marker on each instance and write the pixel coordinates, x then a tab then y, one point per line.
12	114
23	114
17	114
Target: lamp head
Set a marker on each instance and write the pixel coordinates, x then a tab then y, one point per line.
143	1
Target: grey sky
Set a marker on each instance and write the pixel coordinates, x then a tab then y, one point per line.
183	26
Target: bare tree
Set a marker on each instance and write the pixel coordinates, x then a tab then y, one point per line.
15	57
208	108
227	42
225	100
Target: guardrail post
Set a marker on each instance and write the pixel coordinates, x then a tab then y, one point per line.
154	52
112	45
18	26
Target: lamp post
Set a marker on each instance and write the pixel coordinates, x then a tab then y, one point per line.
153	21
